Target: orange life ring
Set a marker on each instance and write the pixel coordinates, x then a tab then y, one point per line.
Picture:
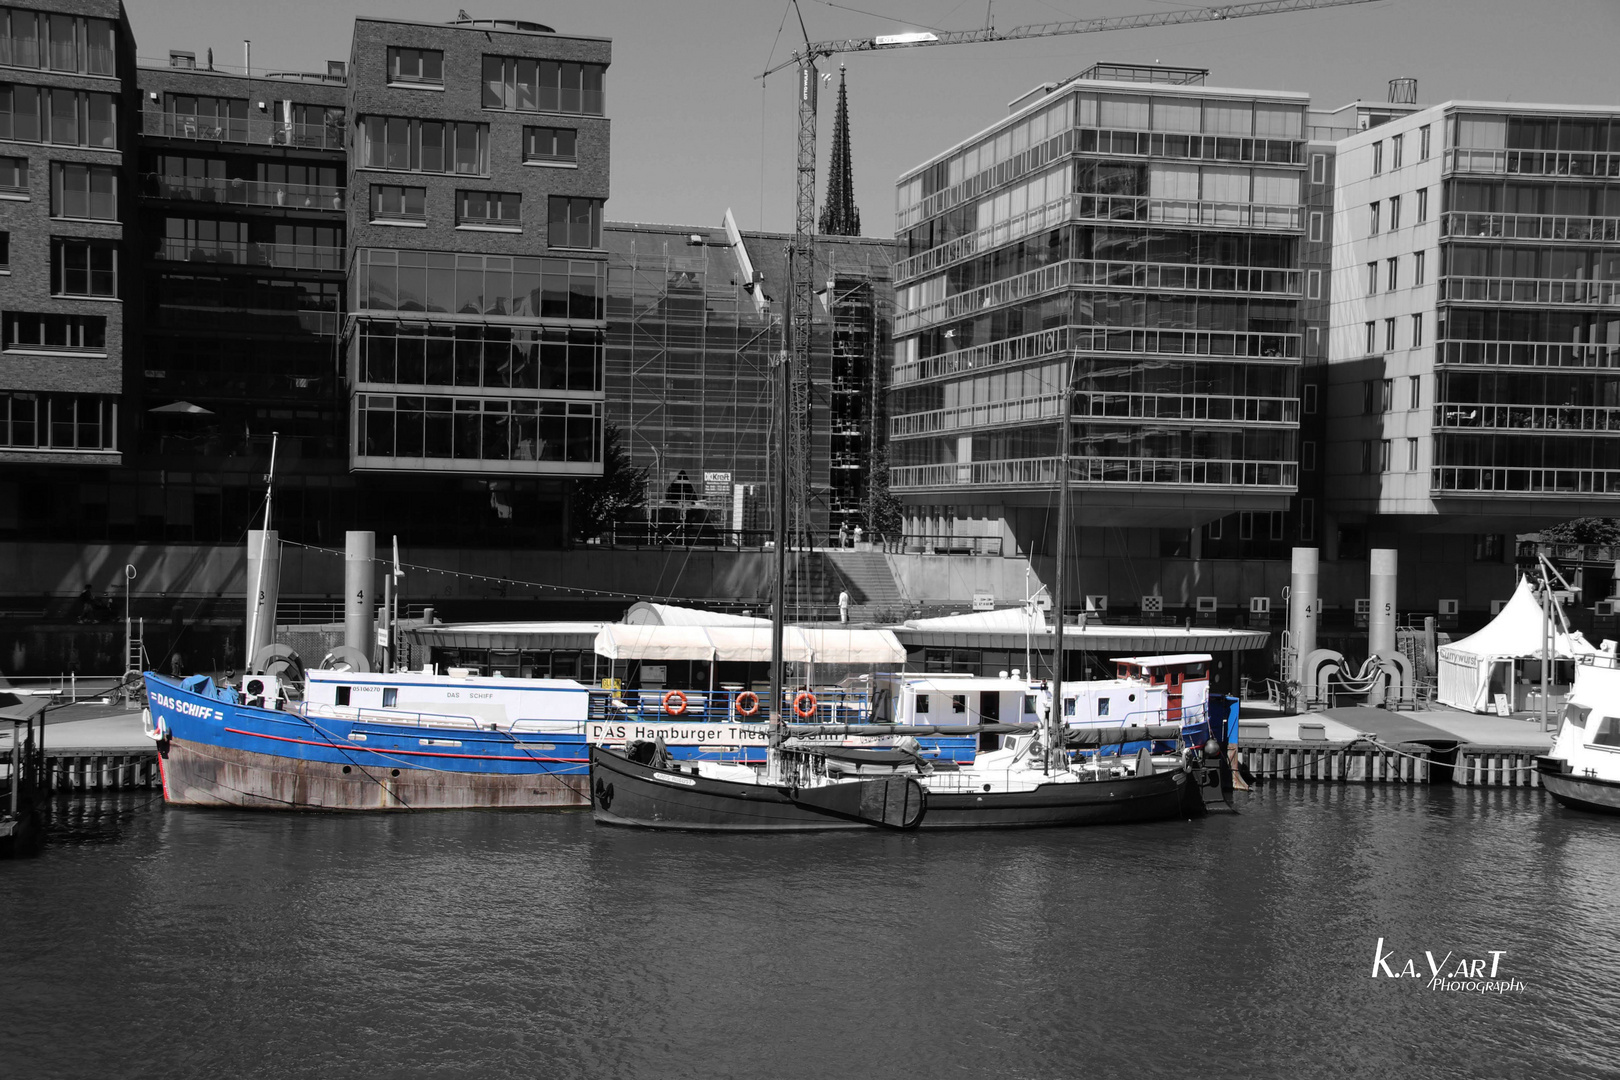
675	703
804	704
747	703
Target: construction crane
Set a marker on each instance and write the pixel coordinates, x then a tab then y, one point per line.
801	263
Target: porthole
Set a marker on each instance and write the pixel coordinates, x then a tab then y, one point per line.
346	769
395	772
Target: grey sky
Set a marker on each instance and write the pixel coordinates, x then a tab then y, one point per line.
694	130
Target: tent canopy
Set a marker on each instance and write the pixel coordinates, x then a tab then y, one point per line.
733	642
649	614
1518	631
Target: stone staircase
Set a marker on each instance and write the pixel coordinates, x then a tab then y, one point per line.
815	578
873	592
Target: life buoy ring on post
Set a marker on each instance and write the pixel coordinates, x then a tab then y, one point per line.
747	703
804	704
675	703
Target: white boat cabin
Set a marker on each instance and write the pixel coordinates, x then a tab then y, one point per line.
455	699
1177	686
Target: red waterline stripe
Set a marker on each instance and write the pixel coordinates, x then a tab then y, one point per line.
413	753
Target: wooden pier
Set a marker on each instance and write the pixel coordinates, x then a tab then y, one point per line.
68	771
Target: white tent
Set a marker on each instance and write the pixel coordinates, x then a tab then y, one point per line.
1481	665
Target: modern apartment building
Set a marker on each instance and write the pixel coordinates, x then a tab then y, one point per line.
477	276
67	285
1475	354
1137	242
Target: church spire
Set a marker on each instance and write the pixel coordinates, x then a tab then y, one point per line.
839	216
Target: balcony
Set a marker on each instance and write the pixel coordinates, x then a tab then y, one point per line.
1533	162
251	130
1469	226
281	256
1042	472
1538	291
246	320
235	192
1531	354
1564	419
1500	480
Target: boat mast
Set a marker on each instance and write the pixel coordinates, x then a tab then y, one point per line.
784	389
1054	716
264	540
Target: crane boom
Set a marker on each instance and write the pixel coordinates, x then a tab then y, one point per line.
801	258
816	49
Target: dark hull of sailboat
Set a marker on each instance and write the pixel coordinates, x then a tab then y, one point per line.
625	792
1162	796
1579	792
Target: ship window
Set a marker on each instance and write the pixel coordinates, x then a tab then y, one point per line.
922	703
1608	732
343	695
1029	704
390	697
1068	706
958	703
1102	706
1196	671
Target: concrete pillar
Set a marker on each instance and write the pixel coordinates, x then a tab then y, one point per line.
1381	619
263	573
359	590
1302	593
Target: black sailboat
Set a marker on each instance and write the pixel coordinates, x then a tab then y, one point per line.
797	792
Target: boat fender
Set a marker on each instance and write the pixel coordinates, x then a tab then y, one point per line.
747	703
675	703
804	704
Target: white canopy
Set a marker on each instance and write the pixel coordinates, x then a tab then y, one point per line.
800	644
645	613
1516	633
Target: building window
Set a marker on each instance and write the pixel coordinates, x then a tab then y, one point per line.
1411	455
40	114
1318	168
501	208
5	250
1316	226
1212	531
1395	151
1372	212
1392	279
84	267
1488	547
204	240
84	191
1417	330
1389	335
1278	527
574	222
1416	382
416	66
1372	337
31	421
1383	455
79	46
390	279
1386	395
429	146
1423	205
1369	397
1313	284
550	144
1310	397
1394	211
1417	268
1378	157
14	175
1366	456
1313	341
1372	277
1307	456
27	331
1246	525
522	84
392	202
1307	519
1423	143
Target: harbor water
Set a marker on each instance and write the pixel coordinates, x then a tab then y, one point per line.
151	942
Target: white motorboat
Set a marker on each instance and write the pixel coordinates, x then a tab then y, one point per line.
1583	768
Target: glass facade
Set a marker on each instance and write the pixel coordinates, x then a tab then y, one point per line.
1144	245
1528	320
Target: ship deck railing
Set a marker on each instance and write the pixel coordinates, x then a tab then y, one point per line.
722	706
